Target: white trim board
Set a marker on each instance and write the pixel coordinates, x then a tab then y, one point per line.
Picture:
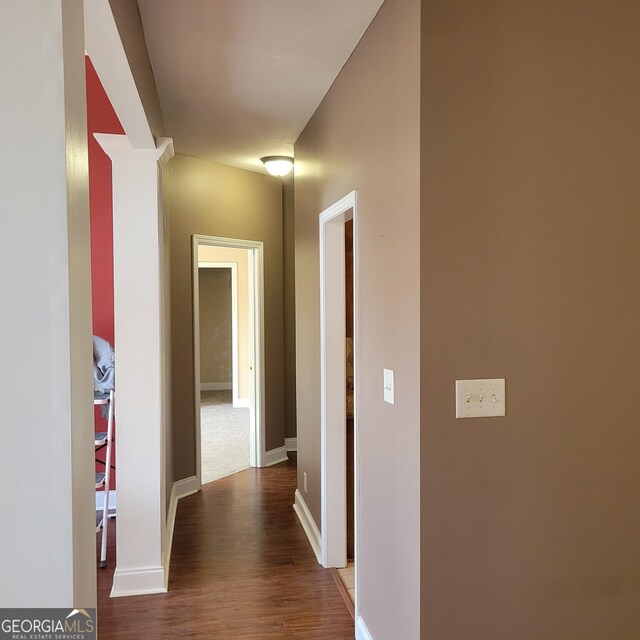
362	633
216	386
333	446
275	456
291	444
155	579
138	582
180	489
104	47
138	237
255	251
308	524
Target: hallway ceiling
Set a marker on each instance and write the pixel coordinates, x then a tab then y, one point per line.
239	79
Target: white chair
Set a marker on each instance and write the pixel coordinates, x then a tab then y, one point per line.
103	439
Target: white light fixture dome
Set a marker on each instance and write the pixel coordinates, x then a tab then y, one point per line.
278	166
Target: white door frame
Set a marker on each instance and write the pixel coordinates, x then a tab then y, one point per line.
235	378
256	343
332	383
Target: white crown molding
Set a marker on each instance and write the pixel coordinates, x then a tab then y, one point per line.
118	146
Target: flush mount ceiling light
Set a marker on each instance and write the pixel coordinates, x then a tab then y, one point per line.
278	165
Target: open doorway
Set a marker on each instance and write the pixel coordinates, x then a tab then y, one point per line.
224	343
347	575
338	357
228	355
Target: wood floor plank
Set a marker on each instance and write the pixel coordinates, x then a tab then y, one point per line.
241	569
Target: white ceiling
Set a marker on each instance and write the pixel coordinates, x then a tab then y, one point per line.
239	79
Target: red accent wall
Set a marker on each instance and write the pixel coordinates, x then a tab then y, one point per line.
101	118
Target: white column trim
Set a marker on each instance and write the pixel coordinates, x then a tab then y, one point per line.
138	244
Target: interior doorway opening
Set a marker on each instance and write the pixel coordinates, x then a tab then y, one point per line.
229	387
224	340
350	385
339	398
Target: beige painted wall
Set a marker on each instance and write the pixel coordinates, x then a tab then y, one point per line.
530	230
215	326
365	135
212	199
46	325
241	258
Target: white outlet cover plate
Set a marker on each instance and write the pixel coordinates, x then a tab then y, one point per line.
480	398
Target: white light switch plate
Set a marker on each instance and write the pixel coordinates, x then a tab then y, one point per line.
389	391
480	398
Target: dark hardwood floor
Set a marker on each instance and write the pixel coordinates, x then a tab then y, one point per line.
241	569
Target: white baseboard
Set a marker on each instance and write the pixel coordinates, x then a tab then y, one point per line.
216	386
155	579
113	500
275	456
138	582
241	403
308	524
291	444
362	633
180	489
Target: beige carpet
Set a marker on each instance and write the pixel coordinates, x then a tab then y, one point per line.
225	436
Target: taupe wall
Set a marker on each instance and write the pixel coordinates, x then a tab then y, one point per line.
365	135
215	326
212	199
530	261
289	258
